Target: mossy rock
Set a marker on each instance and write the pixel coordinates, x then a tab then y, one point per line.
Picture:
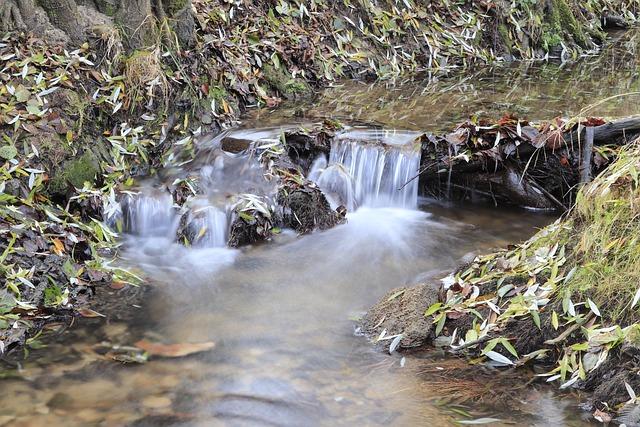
75	173
561	25
281	80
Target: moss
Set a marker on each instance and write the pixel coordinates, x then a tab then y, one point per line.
281	80
503	31
75	172
550	38
218	93
561	25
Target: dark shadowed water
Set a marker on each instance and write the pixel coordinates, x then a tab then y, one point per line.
282	314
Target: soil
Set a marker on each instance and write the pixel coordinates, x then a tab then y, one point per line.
401	311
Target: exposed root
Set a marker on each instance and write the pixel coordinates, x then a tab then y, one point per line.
11	17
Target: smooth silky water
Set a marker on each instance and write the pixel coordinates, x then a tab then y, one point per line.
282	313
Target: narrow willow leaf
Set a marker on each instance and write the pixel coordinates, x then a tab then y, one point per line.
632	394
536	318
554	320
480	421
507	345
593	307
432	309
498	358
636	298
395	343
442	319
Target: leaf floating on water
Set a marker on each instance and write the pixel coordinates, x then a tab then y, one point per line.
87	312
480	421
173	350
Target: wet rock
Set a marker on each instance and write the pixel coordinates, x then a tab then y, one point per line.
235	145
401	311
303	148
246	230
305	209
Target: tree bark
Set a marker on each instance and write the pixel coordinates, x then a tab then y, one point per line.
63	14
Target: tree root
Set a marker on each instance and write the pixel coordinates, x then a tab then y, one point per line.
11	16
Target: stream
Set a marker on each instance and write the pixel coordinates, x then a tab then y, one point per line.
282	314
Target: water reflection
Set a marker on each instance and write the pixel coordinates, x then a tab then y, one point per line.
532	90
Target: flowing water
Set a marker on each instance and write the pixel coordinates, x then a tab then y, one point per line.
282	314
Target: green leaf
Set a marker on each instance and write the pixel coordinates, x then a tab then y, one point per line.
442	318
8	152
554	320
434	308
396	295
536	318
580	346
507	345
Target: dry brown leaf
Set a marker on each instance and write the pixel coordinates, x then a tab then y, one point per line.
58	246
173	350
117	285
87	312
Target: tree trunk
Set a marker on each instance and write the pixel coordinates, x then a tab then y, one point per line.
63	14
143	23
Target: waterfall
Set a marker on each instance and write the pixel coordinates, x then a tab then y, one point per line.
370	167
365	167
149	214
206	225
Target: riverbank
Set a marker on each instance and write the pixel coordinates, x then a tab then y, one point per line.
565	301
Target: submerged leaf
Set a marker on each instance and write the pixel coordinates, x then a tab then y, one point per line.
173	350
480	421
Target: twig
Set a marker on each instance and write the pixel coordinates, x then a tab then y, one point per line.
548	195
481	340
563	336
587	152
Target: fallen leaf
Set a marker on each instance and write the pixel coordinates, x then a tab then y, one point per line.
173	350
58	246
117	285
602	416
87	312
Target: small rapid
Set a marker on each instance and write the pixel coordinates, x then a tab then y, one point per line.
365	167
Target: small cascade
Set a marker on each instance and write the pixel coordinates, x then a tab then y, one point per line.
371	167
218	177
149	214
206	226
